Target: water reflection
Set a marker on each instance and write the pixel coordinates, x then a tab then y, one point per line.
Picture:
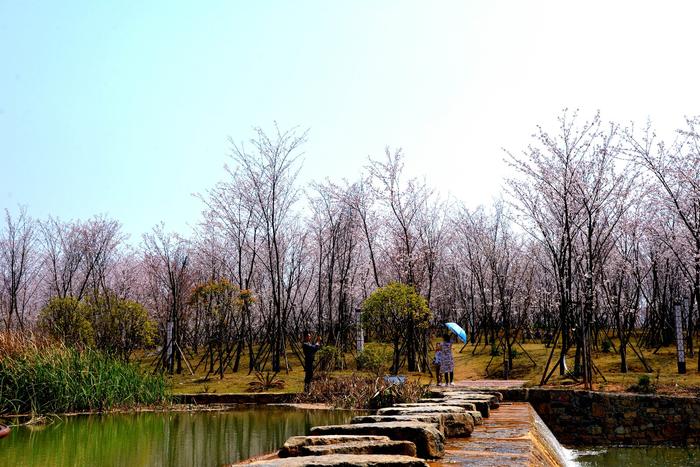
661	456
161	439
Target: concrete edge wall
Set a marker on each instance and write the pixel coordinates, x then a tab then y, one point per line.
588	418
547	447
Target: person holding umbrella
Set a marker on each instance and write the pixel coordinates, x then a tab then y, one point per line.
447	362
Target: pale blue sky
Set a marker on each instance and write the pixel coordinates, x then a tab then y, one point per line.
124	108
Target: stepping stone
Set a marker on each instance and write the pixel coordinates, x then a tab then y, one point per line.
476	416
446	392
499	395
491	392
424	409
432	400
464	395
481	405
451	402
460	403
493	399
293	445
457	390
345	460
429	441
396	448
420	408
452	425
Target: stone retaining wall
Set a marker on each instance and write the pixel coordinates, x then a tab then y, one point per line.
590	418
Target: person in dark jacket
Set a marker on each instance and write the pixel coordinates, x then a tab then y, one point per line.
309	353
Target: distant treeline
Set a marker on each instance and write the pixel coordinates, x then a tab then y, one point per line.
597	234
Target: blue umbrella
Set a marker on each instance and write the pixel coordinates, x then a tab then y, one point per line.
457	329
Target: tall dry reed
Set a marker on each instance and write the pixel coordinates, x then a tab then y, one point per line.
41	376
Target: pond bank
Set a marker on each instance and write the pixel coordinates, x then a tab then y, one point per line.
206	398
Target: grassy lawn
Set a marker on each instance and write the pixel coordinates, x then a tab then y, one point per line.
473	364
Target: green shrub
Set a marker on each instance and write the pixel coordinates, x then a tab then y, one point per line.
107	323
393	313
375	358
330	358
66	319
643	386
265	382
120	326
606	346
495	350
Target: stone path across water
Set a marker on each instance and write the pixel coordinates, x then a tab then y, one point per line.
507	437
489	383
455	425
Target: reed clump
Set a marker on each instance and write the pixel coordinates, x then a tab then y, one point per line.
41	376
358	391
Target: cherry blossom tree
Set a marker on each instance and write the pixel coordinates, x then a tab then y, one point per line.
676	168
166	259
268	174
19	262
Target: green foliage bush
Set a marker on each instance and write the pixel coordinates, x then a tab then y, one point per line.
643	386
330	358
120	326
66	319
106	323
375	358
606	346
397	313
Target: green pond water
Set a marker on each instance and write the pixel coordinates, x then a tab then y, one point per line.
661	456
161	439
216	438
